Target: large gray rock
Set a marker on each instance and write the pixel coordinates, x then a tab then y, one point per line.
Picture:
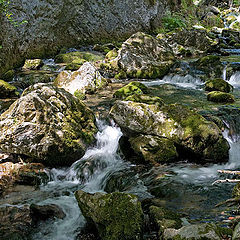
47	124
144	56
186	128
117	216
57	23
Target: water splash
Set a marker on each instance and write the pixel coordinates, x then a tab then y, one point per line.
235	80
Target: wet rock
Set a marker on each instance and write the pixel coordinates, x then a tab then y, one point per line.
143	56
218	84
86	79
130	89
44	212
236	232
198	231
9	75
48	125
7	90
6	103
117	216
190	131
220	97
32	64
154	149
16	222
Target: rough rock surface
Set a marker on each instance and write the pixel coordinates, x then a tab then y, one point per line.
144	56
57	23
117	216
186	128
86	79
47	124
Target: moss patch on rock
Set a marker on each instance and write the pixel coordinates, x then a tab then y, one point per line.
130	89
117	216
220	97
143	98
218	84
7	90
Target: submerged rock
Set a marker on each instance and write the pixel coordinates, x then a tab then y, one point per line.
86	79
117	216
7	90
143	56
187	129
218	84
220	97
48	125
204	231
130	89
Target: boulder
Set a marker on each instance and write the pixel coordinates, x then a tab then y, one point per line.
220	97
7	90
218	84
187	129
143	56
143	98
117	216
48	125
130	89
236	232
86	79
204	231
32	64
154	149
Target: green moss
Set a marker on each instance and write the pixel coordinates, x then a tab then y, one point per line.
79	94
112	54
205	61
9	75
117	216
121	75
130	89
7	90
220	97
218	84
32	64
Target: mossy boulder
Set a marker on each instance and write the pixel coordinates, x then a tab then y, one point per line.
7	90
32	64
78	57
130	89
143	98
154	149
116	216
86	79
189	130
220	97
48	125
9	75
218	84
204	231
144	56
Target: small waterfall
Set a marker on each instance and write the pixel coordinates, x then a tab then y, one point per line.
235	80
87	174
186	81
224	75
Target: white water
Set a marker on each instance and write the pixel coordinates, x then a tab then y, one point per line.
225	73
235	80
87	174
186	81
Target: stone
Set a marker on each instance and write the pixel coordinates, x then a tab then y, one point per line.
218	84
130	89
236	232
220	97
32	64
205	231
48	125
143	98
117	216
7	90
186	128
154	149
86	79
143	56
44	212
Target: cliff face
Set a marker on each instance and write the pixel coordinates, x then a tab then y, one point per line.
53	24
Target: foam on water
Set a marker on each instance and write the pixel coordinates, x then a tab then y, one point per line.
235	80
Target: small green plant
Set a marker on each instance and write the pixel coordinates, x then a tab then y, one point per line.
172	22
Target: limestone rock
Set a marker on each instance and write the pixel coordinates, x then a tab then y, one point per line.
7	90
143	56
32	64
186	128
193	232
117	216
218	84
86	79
47	124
